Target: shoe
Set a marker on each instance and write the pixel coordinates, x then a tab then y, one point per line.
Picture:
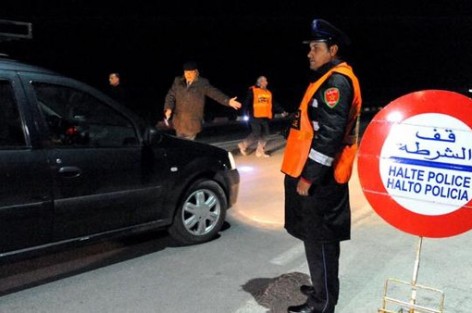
262	155
242	150
306	290
302	308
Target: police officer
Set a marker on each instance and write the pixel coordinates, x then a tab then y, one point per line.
317	164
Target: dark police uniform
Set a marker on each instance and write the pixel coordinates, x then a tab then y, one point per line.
323	218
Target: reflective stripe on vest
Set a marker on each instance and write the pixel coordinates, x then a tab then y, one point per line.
321	158
262	102
301	133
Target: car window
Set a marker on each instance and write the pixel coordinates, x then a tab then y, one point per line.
77	119
11	131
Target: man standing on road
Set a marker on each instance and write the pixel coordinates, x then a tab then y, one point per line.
318	160
260	109
185	101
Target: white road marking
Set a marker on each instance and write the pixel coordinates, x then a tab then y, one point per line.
290	255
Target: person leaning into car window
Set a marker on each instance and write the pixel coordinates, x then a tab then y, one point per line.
185	101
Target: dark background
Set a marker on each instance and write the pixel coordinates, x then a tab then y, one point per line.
398	46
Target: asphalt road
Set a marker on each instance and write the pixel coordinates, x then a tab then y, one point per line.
253	267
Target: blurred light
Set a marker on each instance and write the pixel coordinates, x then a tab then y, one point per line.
245	118
246	169
395	117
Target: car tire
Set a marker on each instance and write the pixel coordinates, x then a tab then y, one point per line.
201	214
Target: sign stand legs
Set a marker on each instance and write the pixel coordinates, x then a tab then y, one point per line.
410	306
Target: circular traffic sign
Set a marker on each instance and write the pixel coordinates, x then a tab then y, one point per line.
415	163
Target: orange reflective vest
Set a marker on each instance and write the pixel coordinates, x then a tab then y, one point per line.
262	103
301	133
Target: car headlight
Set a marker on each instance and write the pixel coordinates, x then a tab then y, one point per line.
232	163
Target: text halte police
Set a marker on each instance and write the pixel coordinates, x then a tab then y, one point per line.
428	182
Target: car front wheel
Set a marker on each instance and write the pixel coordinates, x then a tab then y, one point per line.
201	214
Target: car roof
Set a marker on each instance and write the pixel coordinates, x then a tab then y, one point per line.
15	65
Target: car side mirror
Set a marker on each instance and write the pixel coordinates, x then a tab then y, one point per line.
151	135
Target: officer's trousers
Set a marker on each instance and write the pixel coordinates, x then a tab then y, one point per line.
323	263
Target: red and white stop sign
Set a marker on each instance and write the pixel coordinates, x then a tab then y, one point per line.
415	163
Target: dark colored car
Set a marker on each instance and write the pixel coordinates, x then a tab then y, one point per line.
76	165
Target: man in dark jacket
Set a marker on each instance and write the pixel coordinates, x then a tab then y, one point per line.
185	101
317	208
116	90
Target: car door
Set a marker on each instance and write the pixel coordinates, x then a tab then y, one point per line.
26	211
99	165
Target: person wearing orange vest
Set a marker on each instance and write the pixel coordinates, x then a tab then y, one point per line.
317	164
260	109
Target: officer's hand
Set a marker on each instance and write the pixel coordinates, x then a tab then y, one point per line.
303	187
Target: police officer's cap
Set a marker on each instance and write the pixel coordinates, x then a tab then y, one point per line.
322	30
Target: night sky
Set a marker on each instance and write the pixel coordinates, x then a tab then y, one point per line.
398	46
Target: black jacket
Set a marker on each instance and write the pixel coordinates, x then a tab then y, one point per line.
332	121
324	215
